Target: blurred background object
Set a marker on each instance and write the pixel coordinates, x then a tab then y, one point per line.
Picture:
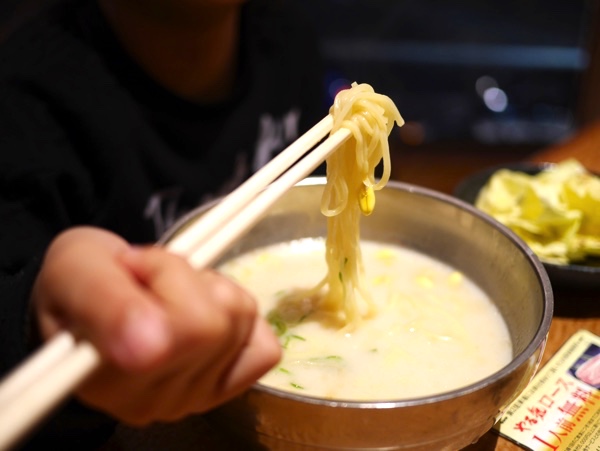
478	82
495	72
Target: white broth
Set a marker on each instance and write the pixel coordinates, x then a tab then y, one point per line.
434	330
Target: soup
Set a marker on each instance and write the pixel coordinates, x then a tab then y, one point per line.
432	329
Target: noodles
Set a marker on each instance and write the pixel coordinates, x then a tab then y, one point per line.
350	192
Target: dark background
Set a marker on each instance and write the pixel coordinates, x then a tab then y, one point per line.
428	56
479	82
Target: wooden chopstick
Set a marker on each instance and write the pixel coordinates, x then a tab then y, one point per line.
211	221
66	370
45	379
206	254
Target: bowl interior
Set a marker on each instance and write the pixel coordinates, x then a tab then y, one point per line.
434	224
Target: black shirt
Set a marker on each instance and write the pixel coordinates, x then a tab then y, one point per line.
86	137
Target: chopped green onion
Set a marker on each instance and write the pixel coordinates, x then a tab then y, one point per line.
331	361
303	317
333	357
278	324
291	337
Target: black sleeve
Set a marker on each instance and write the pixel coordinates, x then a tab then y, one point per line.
30	211
39	187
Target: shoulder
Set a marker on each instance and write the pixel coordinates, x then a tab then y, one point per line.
41	42
54	75
57	98
49	57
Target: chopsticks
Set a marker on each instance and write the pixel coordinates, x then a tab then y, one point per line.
31	392
45	379
213	220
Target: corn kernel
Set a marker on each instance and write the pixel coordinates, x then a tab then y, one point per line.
366	200
387	256
381	280
455	278
425	281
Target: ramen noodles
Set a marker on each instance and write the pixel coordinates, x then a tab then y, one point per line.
350	193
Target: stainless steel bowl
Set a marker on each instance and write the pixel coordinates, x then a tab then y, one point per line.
445	228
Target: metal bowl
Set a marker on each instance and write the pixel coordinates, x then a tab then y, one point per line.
445	228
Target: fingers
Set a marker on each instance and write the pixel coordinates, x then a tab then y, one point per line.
174	340
258	356
58	283
203	307
83	287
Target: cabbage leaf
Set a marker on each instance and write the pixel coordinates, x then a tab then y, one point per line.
556	211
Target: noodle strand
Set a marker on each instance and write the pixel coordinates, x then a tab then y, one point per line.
370	117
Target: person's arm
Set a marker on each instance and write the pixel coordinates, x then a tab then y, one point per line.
33	208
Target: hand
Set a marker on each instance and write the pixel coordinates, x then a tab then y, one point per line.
174	341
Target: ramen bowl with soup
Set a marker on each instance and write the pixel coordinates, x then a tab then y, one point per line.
280	412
